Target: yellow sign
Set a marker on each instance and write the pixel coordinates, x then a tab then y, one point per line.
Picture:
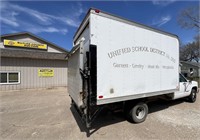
24	44
45	72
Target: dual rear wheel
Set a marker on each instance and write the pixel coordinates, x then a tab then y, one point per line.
137	113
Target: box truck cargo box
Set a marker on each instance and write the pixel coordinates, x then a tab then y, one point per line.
116	60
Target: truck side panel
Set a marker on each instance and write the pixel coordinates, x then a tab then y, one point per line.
74	77
77	61
132	62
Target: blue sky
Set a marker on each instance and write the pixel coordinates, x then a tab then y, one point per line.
57	21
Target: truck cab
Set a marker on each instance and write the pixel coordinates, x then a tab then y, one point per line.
187	88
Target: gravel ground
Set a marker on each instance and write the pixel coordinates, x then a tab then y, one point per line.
47	114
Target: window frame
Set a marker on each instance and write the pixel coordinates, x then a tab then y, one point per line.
11	83
183	78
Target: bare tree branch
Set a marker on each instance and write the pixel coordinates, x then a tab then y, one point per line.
190	51
189	18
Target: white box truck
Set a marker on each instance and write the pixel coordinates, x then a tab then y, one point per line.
118	63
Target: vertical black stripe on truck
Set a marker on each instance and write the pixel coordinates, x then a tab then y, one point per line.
93	74
91	94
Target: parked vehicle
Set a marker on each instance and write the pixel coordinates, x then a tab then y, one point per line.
118	63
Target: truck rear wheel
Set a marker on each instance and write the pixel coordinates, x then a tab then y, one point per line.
193	96
139	112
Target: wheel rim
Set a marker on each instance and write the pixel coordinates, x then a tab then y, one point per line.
193	96
140	112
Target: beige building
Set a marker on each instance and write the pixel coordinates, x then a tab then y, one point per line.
28	62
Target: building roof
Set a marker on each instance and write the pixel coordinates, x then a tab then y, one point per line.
36	37
191	63
32	54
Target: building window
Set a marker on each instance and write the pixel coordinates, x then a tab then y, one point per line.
3	77
9	77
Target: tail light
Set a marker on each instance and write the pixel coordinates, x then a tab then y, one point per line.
100	97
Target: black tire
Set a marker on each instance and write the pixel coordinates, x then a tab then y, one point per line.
138	113
193	96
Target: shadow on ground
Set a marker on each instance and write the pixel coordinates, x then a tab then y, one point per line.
107	117
160	105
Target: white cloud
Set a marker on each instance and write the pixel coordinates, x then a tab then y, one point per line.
13	15
47	30
9	22
70	22
162	2
54	30
40	29
161	21
44	18
8	17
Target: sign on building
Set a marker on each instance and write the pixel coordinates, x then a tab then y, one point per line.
13	43
45	72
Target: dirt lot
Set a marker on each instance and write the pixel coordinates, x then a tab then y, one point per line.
47	114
